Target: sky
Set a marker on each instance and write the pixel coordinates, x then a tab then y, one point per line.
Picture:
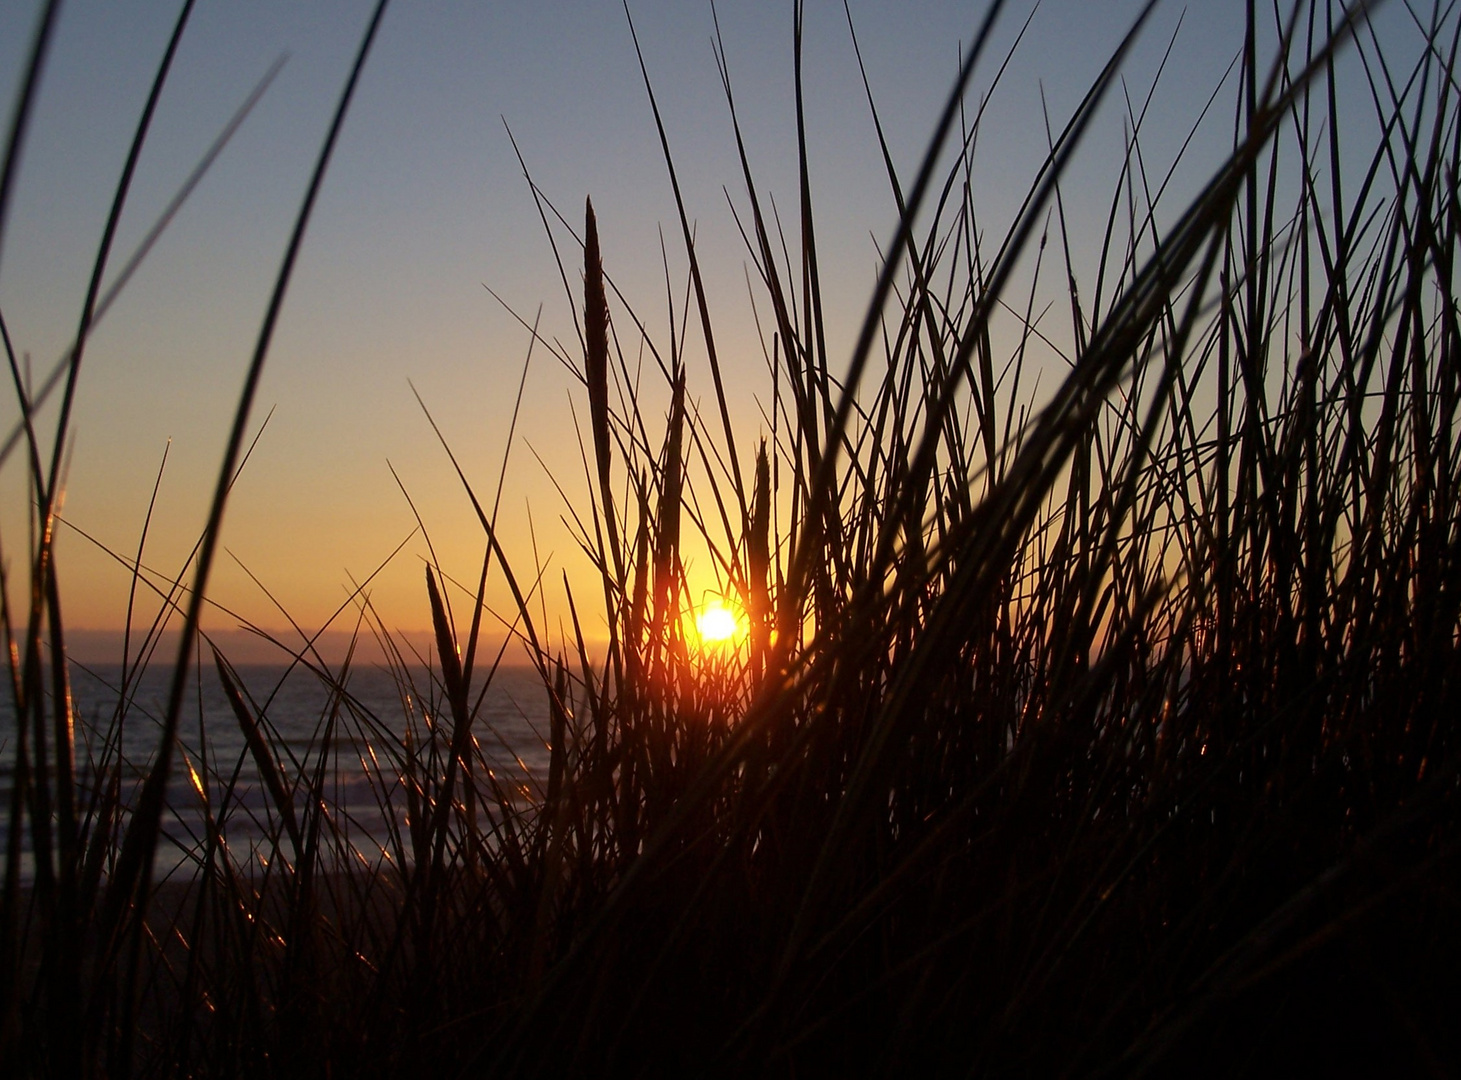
424	210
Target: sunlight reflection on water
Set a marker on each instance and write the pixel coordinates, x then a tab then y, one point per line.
361	767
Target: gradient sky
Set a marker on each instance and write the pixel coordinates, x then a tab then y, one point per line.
425	203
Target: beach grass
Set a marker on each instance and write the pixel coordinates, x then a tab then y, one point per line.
1104	728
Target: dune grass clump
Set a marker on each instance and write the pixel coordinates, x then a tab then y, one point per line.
1105	730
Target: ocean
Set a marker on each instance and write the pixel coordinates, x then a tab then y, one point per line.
353	743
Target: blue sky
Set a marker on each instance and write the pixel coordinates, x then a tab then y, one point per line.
425	203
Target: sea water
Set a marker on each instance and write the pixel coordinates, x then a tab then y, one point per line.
346	740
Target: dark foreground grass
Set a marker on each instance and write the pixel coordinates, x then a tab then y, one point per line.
1112	731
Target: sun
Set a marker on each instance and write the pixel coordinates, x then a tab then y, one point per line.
717	623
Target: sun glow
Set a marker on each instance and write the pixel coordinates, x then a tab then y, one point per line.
717	623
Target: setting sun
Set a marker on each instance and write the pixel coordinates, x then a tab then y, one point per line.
716	623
